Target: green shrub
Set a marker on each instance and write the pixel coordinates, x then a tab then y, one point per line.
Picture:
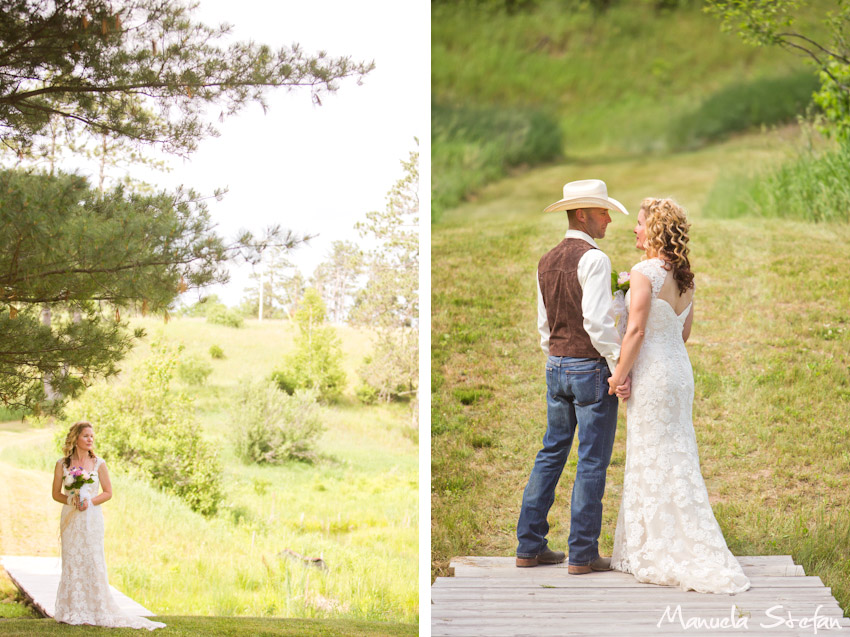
316	362
392	368
285	380
760	102
261	485
219	314
216	352
201	307
194	370
366	394
147	428
273	427
471	147
812	187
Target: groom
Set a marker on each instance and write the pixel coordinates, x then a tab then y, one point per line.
577	332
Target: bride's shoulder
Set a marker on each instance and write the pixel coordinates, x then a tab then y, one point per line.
645	266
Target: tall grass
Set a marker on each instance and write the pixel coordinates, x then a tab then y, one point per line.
814	186
522	87
759	102
474	146
615	81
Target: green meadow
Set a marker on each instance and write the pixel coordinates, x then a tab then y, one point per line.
356	508
644	101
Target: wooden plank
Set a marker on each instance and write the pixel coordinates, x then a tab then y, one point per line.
445	596
610	579
449	630
597	600
567	629
38	579
616	606
634	615
634	624
466	570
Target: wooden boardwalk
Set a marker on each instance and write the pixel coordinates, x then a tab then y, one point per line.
490	597
38	580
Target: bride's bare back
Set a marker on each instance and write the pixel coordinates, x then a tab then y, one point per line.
670	293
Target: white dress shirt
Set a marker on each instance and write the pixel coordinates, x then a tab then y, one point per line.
594	277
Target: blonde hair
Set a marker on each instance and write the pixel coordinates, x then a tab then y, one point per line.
667	236
71	440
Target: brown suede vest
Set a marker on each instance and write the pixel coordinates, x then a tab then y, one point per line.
558	278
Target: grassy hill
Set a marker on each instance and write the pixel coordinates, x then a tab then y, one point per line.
356	509
625	82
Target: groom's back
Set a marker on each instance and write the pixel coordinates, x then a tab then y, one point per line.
557	275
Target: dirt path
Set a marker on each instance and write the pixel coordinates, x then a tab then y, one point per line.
29	518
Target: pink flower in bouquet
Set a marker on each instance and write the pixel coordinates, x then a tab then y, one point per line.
623	278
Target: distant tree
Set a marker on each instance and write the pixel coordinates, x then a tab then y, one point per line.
220	314
336	278
129	74
390	300
293	289
283	287
771	23
316	362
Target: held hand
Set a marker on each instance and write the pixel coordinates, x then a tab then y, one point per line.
624	391
83	505
622	388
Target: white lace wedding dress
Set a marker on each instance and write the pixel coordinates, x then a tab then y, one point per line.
84	596
666	531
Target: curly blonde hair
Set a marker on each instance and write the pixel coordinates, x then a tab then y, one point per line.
667	236
71	440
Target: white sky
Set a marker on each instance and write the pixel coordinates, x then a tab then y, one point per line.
315	169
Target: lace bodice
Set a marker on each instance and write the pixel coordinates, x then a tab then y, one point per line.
663	321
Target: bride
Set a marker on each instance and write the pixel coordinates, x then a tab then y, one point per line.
84	596
666	531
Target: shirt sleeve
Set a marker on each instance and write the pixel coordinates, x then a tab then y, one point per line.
542	319
594	276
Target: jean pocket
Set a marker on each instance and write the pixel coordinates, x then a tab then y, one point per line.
586	386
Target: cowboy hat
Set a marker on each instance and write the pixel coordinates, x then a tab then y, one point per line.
587	193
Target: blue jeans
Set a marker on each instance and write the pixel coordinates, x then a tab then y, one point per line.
577	395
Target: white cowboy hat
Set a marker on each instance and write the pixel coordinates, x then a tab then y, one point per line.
587	193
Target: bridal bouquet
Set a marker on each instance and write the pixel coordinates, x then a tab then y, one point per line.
619	283
619	287
75	478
